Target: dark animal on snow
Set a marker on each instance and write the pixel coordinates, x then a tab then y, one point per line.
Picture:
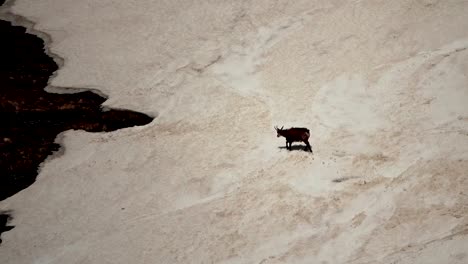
295	134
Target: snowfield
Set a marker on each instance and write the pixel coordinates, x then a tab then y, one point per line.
382	86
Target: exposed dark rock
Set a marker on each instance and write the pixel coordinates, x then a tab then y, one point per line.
4	218
32	118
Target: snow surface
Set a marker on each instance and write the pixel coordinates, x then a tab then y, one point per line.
382	86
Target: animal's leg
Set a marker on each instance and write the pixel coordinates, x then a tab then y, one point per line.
287	146
308	147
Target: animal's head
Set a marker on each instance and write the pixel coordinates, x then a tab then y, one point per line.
278	131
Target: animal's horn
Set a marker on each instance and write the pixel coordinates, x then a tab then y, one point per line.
282	128
276	127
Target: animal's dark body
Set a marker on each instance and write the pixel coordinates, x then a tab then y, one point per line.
295	134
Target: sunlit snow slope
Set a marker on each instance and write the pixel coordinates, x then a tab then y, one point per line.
382	86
